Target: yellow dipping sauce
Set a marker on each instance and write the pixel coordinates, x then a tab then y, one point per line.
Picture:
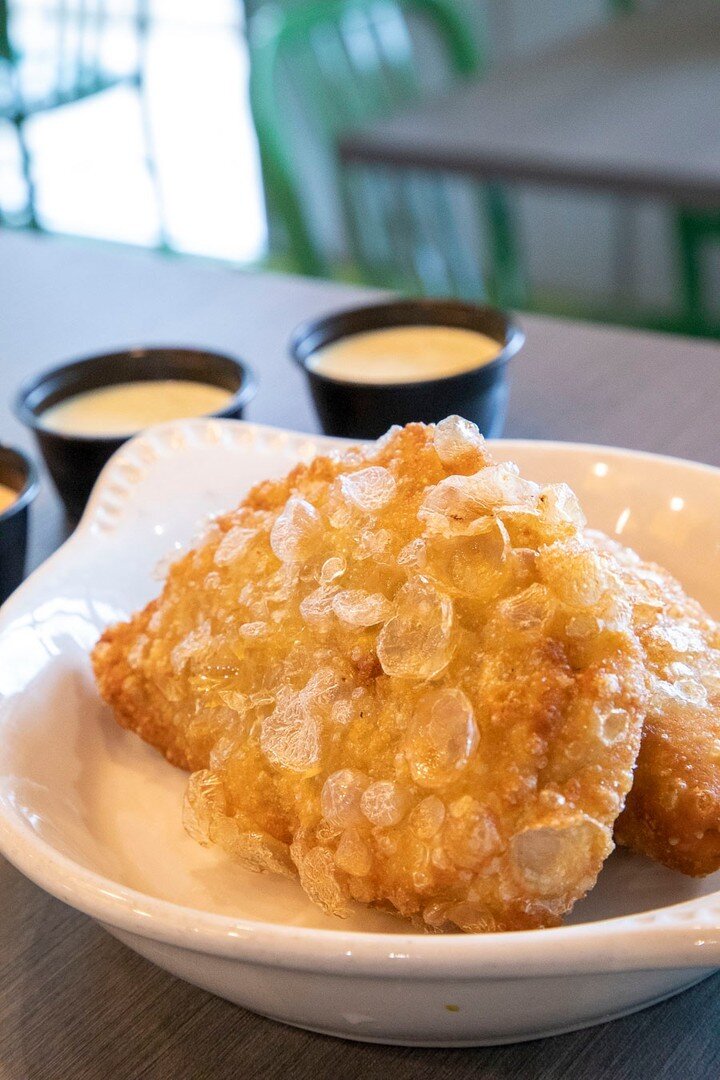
125	408
7	497
404	354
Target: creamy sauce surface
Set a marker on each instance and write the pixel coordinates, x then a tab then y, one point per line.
400	354
7	497
128	407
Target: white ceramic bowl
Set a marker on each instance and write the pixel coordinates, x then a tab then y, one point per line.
92	814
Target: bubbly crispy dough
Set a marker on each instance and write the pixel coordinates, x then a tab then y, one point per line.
673	810
402	674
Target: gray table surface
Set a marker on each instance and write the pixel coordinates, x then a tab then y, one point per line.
630	107
73	1001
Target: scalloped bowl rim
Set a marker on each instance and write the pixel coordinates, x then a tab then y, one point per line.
685	934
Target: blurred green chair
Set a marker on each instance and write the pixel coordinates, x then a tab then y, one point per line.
65	65
319	68
695	230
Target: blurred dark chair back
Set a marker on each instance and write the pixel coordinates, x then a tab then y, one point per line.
318	69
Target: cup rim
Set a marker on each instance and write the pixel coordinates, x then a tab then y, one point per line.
405	312
33	420
31	486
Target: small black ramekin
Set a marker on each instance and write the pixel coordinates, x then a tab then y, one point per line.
18	473
74	461
366	410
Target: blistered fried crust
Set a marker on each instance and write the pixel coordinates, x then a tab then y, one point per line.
403	675
673	811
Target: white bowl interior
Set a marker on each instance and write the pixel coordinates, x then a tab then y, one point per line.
104	799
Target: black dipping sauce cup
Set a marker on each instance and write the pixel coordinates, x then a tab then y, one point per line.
360	410
18	473
74	461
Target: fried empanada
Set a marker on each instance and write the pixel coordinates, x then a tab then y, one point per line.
403	674
673	810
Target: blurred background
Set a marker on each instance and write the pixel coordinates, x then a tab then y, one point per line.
211	130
